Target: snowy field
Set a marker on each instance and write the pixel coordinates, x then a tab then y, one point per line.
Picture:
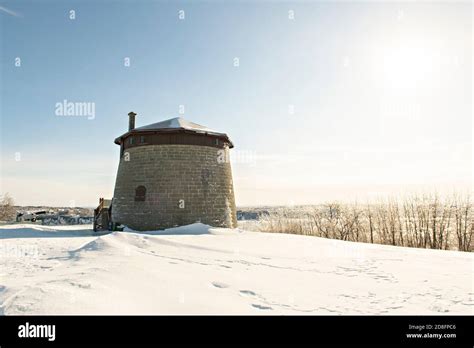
201	270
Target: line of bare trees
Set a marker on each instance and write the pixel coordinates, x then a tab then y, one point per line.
420	222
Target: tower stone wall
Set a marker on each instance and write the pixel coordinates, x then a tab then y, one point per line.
183	184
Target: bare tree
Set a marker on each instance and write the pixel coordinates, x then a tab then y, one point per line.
7	209
370	217
464	224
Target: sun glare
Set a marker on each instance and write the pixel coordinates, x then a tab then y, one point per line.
406	66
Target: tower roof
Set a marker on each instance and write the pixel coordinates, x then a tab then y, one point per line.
177	124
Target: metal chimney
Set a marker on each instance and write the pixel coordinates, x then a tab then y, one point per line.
131	120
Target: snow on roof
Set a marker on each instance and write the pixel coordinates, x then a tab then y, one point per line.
177	123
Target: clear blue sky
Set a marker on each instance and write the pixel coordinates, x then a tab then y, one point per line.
381	93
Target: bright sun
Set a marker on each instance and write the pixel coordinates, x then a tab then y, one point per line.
406	66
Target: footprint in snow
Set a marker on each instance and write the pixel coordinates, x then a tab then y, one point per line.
219	285
261	307
395	307
80	285
439	309
247	293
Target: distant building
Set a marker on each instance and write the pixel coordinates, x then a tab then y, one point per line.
173	173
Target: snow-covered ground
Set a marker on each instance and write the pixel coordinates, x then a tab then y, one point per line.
201	270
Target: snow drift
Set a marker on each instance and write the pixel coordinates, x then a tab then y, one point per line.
196	269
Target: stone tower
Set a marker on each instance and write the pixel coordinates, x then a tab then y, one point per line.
173	173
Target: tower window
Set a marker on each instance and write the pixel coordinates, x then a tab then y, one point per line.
140	194
131	140
142	139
